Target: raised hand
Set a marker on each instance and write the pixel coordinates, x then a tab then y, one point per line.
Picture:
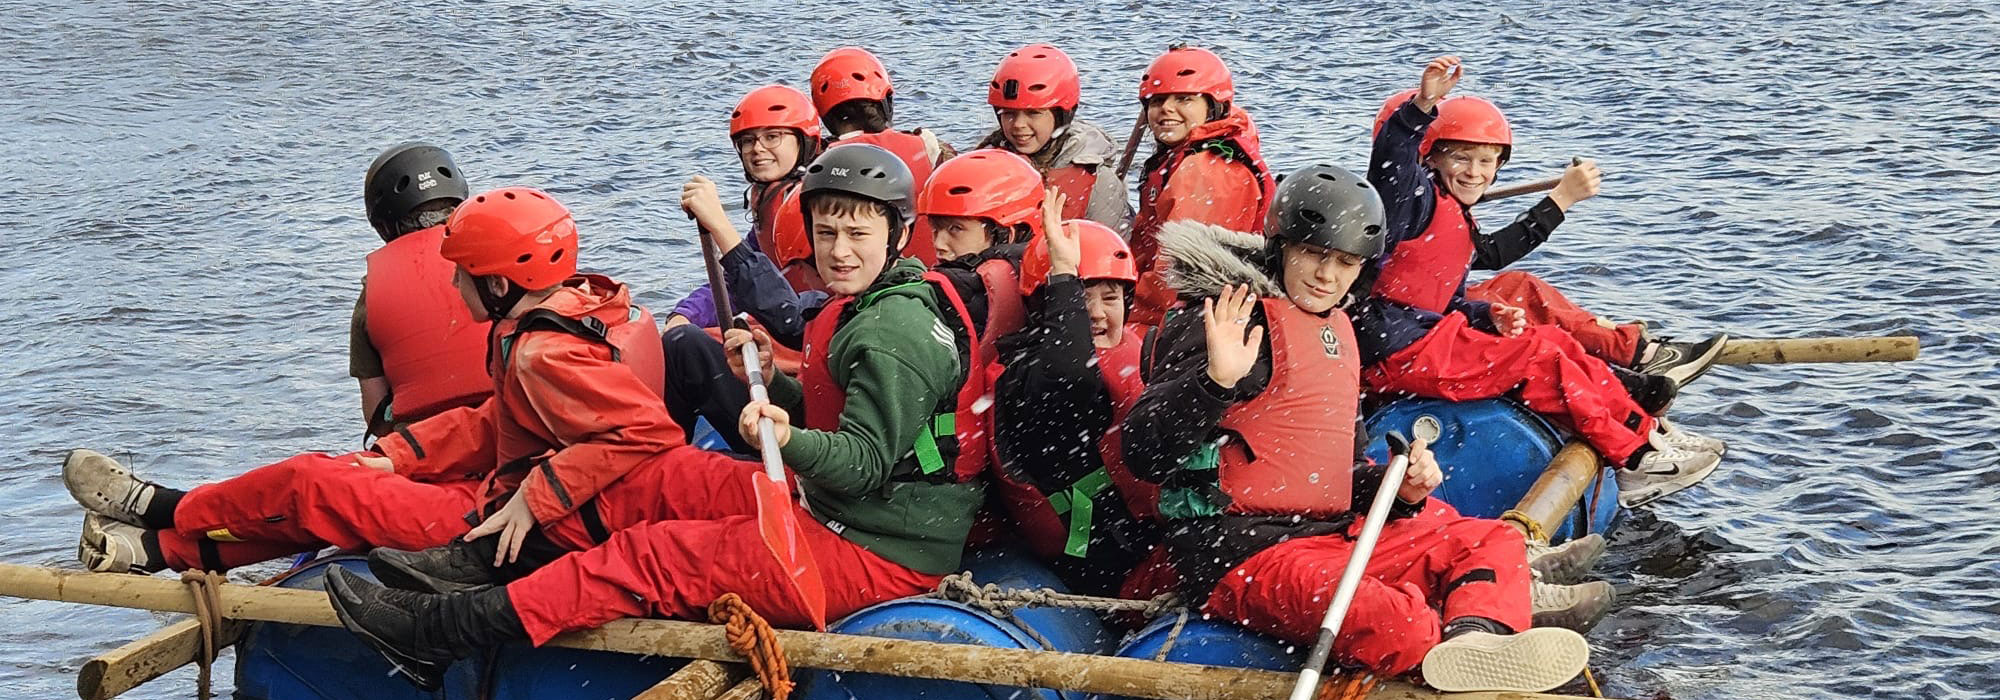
1579	182
1440	76
1422	476
1232	345
1065	245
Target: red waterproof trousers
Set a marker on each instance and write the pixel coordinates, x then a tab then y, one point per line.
1556	378
1426	570
1617	344
308	502
693	540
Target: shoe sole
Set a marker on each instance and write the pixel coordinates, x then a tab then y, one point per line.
93	550
1670	488
417	677
1533	661
395	575
93	501
1686	372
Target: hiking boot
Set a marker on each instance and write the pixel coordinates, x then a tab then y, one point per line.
1661	471
1682	362
456	566
1653	393
1684	439
1532	661
103	486
422	633
1567	562
113	547
1577	607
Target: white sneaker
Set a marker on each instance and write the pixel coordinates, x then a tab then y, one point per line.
1663	471
1533	661
103	486
1567	562
1679	437
1574	607
109	546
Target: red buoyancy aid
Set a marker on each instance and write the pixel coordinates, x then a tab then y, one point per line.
432	351
1119	366
1425	272
915	154
633	336
955	447
766	198
1234	138
1298	434
1076	183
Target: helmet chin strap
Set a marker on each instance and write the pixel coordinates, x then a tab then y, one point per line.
498	305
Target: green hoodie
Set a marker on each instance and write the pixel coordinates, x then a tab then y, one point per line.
895	361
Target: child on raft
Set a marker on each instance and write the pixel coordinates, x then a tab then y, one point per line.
1206	167
1034	95
854	96
1244	401
1420	335
886	499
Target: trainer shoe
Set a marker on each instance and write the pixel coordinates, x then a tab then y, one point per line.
112	547
1653	393
456	566
103	486
1567	562
1662	471
1573	607
1532	661
1682	438
1683	362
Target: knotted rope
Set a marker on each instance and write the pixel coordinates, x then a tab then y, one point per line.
1528	525
205	586
1004	602
1347	686
752	637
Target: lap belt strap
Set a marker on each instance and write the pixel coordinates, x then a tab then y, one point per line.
1079	503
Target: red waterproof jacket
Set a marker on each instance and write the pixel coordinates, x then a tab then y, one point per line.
1215	176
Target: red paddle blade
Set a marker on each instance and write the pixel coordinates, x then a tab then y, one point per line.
777	520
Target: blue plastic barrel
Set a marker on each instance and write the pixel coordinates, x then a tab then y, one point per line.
1491	451
521	672
705	437
1210	643
278	662
930	620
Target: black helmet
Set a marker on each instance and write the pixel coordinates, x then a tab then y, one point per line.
1328	207
405	177
863	170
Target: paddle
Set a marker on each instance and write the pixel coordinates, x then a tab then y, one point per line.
1132	144
1525	187
777	518
1350	579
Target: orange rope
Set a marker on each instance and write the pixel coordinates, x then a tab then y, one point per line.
752	637
1347	686
205	587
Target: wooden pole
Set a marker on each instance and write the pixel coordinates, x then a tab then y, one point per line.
1555	493
836	652
1752	351
699	680
127	667
747	690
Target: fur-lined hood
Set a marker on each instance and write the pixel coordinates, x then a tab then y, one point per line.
1204	258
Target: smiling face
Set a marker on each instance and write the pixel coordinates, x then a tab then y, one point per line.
768	153
955	237
1173	116
1027	130
1467	168
1316	278
1105	302
850	241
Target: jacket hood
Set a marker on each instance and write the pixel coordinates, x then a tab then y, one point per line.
1235	124
587	294
1204	258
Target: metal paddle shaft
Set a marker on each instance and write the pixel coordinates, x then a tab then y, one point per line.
1371	529
767	433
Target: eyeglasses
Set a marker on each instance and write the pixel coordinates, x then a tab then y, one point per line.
770	140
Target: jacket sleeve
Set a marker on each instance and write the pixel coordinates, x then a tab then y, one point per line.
1181	406
456	445
698	307
758	288
1397	171
1478	314
604	420
1109	204
1051	401
896	372
1496	250
1210	189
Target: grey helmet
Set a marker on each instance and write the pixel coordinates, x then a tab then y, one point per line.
1328	207
863	170
407	176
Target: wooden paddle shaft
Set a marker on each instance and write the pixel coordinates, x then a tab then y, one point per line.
1521	189
846	653
1752	351
1555	493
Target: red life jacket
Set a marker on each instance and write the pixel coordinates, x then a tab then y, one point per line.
1234	138
909	147
954	448
1076	183
1296	436
432	351
1119	366
765	200
1425	272
633	336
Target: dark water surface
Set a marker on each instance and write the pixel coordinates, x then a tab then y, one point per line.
180	189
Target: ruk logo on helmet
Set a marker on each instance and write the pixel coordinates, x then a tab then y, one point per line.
839	172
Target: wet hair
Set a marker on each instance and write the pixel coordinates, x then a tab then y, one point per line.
868	116
837	203
426	215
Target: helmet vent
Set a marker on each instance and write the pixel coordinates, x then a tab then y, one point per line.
446	172
523	260
1185	72
1038	87
1316	218
1121	255
480	199
814	168
508	195
403	184
1328	177
775	108
960	189
860	77
556	256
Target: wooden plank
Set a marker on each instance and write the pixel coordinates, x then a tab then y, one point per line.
127	667
837	652
699	680
747	690
1753	351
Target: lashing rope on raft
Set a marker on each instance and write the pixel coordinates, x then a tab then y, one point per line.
204	586
752	637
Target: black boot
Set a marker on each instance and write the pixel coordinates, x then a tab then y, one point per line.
1652	392
456	566
420	633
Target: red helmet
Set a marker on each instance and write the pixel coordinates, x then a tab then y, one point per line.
1037	76
775	106
1470	119
989	184
1187	69
848	73
788	232
1389	107
1105	257
519	233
